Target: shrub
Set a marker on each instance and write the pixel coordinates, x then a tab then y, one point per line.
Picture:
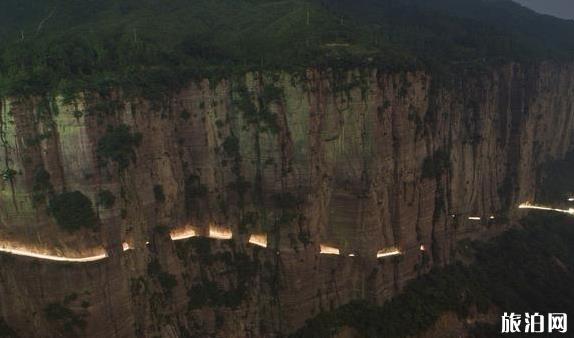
209	293
118	145
286	200
194	188
540	257
72	211
166	280
41	180
185	115
41	185
5	330
106	199
56	312
8	174
158	193
436	165
557	181
240	185
231	146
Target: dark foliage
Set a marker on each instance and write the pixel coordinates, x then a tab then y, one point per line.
166	280
158	193
6	331
557	181
118	145
106	199
526	270
73	211
151	47
42	185
436	165
64	316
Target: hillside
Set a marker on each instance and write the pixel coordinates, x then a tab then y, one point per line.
71	45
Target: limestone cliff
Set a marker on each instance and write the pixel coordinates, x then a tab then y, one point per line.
361	161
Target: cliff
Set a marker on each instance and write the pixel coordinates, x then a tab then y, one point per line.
363	161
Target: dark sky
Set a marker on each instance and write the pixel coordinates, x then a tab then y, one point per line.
560	8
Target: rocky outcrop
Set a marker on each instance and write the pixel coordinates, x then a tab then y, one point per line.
360	161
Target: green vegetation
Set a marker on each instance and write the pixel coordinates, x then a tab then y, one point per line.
166	280
209	294
194	188
9	174
158	193
150	47
286	201
206	291
64	316
106	199
249	220
258	112
118	146
73	211
161	229
36	140
452	289
231	146
184	115
289	204
6	331
557	181
194	193
528	270
436	165
42	185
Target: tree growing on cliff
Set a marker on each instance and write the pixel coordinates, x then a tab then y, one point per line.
118	145
73	211
106	199
436	165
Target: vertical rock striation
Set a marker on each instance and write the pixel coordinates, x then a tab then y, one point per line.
360	161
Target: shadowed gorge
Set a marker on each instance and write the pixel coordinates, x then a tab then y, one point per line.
236	168
527	269
469	298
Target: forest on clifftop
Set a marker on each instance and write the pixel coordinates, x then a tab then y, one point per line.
151	47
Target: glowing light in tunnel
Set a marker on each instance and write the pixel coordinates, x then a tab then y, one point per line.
181	234
22	251
328	250
259	240
126	246
220	233
474	218
492	217
541	207
423	248
351	255
571	199
388	252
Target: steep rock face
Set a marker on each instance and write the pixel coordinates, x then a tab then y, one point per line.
360	161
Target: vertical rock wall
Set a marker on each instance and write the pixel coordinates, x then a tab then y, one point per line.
361	161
